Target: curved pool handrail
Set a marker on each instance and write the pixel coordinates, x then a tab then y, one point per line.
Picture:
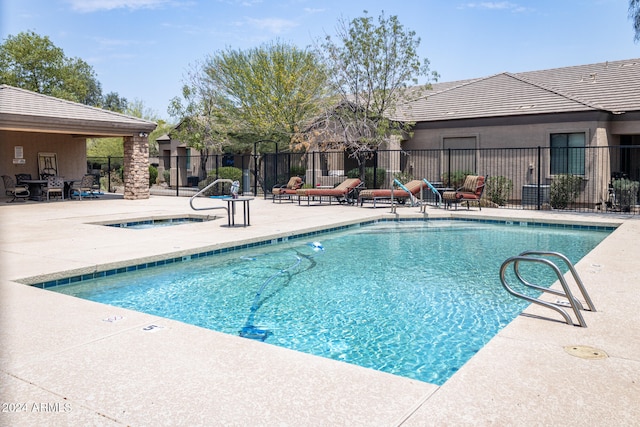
402	186
572	269
573	302
217	181
434	190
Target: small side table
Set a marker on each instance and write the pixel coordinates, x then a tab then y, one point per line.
231	210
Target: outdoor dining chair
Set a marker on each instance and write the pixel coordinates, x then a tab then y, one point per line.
17	191
55	186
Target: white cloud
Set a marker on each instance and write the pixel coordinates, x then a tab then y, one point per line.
272	25
495	5
97	5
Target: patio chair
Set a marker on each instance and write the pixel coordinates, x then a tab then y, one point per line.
288	190
401	195
343	192
471	191
55	186
21	177
85	187
17	191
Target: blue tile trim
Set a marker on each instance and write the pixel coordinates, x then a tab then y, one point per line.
515	223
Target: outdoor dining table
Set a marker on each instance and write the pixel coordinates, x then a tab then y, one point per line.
36	186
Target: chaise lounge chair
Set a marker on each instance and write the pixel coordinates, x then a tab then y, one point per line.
401	195
342	192
286	191
471	191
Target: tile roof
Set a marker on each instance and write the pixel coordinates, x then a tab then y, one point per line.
21	109
613	87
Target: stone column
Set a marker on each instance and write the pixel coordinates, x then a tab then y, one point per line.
136	167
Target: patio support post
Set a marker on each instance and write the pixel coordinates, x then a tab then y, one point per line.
136	166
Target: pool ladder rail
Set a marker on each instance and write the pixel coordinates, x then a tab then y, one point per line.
536	257
217	181
414	200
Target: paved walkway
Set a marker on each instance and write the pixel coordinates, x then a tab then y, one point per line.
63	364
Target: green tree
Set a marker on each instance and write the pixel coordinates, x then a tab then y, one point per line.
163	128
634	15
371	67
113	102
202	125
271	91
105	147
33	62
113	147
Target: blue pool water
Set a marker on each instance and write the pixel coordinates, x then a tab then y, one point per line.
416	299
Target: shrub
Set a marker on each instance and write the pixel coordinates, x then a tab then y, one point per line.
225	172
166	174
153	175
368	176
403	177
626	192
564	190
498	189
297	171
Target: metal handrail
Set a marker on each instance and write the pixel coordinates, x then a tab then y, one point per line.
217	181
435	191
573	302
574	273
412	198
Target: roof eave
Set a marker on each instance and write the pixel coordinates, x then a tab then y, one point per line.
17	122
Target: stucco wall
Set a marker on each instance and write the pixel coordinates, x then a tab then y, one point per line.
70	151
518	133
501	136
626	124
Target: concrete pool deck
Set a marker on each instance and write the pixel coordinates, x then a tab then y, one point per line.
66	361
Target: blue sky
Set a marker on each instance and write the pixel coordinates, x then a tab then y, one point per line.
142	49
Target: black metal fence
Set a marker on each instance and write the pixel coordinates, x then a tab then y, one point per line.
573	178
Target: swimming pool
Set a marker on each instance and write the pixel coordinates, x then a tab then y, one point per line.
416	299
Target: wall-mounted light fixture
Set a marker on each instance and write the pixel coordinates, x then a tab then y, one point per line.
143	134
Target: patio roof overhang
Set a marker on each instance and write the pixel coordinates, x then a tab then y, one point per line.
81	128
25	111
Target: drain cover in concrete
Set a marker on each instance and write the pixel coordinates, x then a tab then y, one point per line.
585	352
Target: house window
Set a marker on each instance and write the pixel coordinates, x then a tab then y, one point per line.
567	153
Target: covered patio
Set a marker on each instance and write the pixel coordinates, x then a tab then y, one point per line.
35	126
